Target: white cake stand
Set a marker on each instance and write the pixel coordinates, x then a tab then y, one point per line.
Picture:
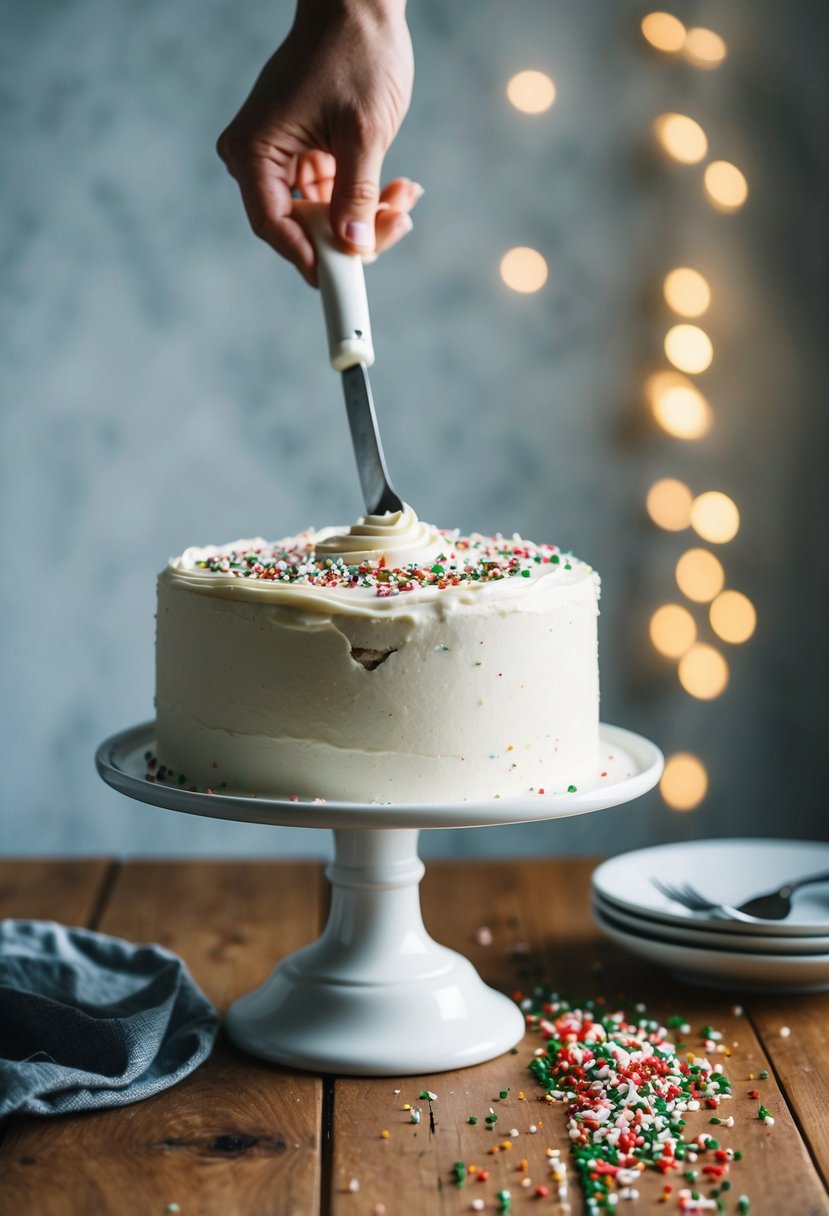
375	995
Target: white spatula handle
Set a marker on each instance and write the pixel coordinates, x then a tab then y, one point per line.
343	289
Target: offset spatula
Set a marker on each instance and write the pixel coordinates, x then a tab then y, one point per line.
345	304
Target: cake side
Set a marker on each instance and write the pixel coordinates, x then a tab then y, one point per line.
468	672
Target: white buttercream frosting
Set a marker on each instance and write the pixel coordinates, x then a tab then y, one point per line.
384	564
398	536
391	660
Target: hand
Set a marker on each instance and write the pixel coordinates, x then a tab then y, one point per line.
320	119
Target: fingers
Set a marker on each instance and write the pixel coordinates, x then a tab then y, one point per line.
355	195
393	219
267	199
315	175
401	194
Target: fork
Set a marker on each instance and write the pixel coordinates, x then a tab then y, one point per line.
775	905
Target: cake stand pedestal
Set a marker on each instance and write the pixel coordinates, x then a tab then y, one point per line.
375	994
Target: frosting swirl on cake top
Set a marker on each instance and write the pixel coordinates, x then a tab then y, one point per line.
381	557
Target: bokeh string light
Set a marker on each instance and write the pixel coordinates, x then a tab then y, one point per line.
684	782
524	269
683	412
678	405
669	504
725	185
687	292
682	138
531	92
689	348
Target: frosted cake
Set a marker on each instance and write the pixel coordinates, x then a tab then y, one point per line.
386	662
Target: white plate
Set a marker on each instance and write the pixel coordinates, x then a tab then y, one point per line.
630	766
724	968
730	871
749	943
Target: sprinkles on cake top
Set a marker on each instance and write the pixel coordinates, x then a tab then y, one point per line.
464	560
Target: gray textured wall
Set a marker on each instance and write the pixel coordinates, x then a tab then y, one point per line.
164	378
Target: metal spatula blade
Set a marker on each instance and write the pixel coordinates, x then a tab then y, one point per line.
371	464
345	304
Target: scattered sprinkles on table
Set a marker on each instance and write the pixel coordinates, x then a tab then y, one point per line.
626	1091
466	560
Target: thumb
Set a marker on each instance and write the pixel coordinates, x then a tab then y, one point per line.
355	196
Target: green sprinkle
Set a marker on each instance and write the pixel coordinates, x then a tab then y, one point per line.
714	1119
428	1095
571	789
460	1173
525	574
504	1093
763	1074
438	570
725	1185
762	1113
492	1119
473	1119
743	1204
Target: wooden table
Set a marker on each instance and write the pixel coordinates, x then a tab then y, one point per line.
243	1138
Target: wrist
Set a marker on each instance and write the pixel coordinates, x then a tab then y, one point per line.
379	10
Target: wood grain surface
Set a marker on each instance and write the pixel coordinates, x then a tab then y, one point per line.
243	1137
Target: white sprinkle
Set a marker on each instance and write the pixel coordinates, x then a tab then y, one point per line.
354	1185
640	1008
514	1132
769	1121
784	1032
484	936
532	1129
478	1205
737	1010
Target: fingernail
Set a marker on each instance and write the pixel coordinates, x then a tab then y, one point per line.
403	223
418	189
359	234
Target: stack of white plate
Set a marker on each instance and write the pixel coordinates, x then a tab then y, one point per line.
790	955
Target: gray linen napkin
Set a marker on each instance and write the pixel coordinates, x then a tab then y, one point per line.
90	1021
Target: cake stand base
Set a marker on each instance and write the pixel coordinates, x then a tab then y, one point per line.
375	995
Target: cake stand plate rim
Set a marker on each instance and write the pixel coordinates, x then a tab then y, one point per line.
119	761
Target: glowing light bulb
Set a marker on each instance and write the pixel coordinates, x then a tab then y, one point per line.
524	269
531	92
672	630
669	504
704	48
733	617
687	292
725	185
689	348
678	406
682	138
714	517
703	672
684	782
700	575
